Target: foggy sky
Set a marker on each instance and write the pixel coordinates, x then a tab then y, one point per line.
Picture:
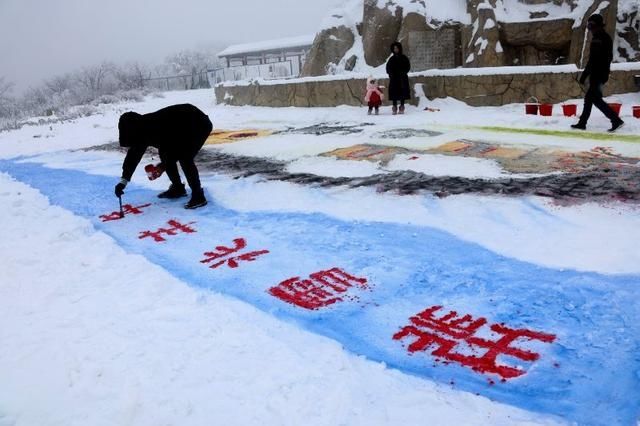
42	38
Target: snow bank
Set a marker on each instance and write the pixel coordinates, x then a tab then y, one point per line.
379	73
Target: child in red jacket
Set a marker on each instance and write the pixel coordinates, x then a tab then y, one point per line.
374	96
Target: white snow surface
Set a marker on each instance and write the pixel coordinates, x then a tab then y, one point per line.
101	337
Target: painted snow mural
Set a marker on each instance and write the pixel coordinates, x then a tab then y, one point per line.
468	33
415	298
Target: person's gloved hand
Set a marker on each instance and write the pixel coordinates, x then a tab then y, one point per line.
119	191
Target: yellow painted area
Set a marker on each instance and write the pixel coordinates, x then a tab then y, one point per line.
453	147
502	152
219	137
374	153
513	159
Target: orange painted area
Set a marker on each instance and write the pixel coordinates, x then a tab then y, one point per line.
219	137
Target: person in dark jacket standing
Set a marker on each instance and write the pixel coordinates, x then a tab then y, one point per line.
178	132
597	70
398	68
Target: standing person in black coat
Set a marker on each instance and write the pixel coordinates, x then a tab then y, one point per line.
398	68
597	70
179	132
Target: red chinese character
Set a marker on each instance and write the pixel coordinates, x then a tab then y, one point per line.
223	254
175	228
320	290
127	209
451	331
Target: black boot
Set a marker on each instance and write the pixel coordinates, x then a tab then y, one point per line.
615	125
174	192
197	200
579	126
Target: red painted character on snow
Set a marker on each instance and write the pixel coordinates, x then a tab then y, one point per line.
455	338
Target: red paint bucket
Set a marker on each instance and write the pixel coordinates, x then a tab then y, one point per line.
531	109
636	111
570	110
546	110
616	107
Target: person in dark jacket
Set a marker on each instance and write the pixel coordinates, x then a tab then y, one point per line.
178	132
398	68
597	70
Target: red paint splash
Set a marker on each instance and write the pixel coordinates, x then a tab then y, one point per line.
127	209
320	290
225	255
175	228
447	332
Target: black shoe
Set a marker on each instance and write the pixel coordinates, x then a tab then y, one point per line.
616	125
579	126
197	200
174	192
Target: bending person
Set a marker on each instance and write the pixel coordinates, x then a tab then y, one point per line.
178	132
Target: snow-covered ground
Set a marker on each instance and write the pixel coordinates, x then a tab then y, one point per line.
94	335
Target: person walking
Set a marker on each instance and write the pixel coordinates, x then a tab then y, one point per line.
398	68
597	70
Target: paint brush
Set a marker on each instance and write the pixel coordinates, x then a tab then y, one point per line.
121	210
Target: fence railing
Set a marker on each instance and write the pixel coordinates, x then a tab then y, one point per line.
271	71
198	80
207	79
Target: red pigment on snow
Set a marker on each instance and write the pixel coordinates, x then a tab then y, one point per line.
176	227
224	254
446	332
320	290
243	135
127	209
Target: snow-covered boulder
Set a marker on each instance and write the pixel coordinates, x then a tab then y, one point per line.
488	33
627	44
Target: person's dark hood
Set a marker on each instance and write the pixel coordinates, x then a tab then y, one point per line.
131	129
396	43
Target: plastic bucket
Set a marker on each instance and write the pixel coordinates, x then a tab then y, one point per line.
546	110
570	110
636	111
531	109
616	107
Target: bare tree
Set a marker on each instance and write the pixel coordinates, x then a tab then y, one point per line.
131	76
191	63
60	84
7	102
93	79
5	88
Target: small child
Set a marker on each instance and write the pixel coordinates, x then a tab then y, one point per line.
374	96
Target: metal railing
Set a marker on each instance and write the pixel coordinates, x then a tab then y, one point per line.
271	71
198	80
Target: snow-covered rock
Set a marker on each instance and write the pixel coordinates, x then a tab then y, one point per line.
357	36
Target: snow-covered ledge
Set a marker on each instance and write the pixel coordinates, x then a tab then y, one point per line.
476	86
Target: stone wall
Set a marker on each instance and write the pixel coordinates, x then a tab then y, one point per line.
476	90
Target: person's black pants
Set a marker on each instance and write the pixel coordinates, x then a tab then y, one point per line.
395	103
594	97
187	162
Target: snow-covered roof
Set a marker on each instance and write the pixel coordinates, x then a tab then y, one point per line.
265	45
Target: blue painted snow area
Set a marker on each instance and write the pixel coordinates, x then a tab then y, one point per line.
589	374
